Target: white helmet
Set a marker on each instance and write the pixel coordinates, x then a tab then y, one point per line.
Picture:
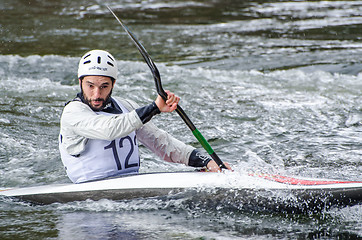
97	63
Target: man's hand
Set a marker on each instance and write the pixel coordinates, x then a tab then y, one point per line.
170	104
213	167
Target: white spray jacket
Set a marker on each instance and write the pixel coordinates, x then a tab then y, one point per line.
80	123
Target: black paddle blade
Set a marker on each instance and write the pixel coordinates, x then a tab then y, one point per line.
146	57
163	94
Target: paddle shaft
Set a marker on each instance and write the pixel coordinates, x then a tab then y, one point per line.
200	137
163	94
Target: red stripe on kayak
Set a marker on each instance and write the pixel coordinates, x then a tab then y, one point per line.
6	189
296	181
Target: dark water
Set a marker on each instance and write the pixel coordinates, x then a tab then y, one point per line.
274	86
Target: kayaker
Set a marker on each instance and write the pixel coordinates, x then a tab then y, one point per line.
99	134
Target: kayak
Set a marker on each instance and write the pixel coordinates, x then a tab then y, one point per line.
252	189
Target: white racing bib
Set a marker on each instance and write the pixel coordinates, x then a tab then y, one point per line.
102	158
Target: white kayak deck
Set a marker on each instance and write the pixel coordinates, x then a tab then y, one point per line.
158	184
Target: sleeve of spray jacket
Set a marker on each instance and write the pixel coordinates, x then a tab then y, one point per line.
163	144
147	112
160	142
78	123
197	159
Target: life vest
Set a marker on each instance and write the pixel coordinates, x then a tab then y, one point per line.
102	158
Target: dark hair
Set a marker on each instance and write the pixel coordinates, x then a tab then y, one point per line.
112	79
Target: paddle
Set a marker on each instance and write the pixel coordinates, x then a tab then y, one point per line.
163	94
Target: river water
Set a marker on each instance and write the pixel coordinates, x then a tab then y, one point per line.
275	86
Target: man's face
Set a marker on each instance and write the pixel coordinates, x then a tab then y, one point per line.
96	91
